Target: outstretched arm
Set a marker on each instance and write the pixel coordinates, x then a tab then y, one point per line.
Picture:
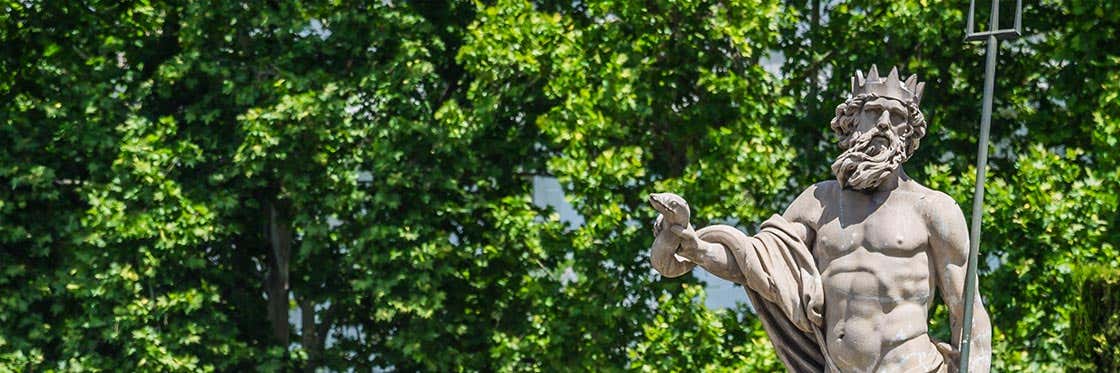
718	259
949	253
715	258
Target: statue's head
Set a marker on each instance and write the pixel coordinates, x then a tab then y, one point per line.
878	127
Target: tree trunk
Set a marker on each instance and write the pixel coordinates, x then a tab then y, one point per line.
280	242
308	333
814	72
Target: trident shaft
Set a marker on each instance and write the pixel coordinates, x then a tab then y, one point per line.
992	38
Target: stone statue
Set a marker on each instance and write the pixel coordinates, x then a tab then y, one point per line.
843	280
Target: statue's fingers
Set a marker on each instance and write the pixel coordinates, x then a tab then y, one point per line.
682	231
681	259
677	229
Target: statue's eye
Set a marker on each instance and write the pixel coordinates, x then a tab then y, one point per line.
897	117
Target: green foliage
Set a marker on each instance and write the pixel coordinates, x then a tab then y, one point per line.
687	337
1095	324
153	155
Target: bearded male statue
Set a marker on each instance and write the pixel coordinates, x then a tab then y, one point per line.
844	279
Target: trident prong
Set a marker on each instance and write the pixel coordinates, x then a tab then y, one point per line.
970	33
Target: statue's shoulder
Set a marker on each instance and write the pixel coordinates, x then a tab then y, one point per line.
818	192
827	186
809	206
934	203
931	195
822	192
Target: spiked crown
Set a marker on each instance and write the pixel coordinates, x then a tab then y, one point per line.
910	91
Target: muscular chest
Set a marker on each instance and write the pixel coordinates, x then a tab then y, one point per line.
890	229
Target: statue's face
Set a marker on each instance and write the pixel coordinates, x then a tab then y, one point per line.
882	115
876	145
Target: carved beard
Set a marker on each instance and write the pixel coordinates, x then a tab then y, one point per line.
864	165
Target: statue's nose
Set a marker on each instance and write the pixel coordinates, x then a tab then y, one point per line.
884	121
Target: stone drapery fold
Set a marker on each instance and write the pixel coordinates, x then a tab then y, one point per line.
784	286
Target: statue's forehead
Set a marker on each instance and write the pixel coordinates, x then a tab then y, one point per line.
884	102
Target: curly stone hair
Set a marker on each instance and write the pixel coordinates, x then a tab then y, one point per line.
844	124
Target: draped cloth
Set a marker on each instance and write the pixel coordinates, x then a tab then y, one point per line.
784	285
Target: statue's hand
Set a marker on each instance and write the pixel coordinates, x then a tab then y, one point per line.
690	241
671	221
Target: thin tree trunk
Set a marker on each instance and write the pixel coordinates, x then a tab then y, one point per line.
280	242
309	333
814	73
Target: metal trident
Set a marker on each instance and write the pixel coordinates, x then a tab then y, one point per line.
992	37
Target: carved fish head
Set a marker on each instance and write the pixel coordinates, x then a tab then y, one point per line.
672	206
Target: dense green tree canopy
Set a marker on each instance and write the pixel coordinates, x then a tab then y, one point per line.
273	185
